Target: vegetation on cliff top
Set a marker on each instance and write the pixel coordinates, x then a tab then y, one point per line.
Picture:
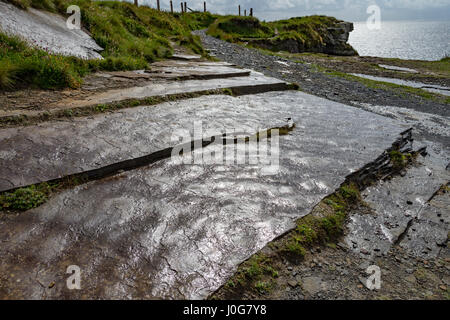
131	36
312	33
235	28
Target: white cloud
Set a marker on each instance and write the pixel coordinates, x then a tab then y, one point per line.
350	9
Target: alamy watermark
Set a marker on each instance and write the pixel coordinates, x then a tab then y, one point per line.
237	146
374	20
74	21
73	282
374	280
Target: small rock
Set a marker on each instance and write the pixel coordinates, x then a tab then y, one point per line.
292	283
410	271
364	251
289	268
341	245
312	285
443	287
364	265
411	278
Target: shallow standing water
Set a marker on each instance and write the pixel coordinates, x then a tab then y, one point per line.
418	40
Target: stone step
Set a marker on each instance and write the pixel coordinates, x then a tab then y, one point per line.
186	57
240	83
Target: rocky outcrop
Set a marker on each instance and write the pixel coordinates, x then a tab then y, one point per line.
336	40
327	39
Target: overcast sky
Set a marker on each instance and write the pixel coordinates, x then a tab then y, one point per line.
351	10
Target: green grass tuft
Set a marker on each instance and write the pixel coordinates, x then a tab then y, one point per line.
25	198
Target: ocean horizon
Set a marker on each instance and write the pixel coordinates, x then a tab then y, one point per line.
411	40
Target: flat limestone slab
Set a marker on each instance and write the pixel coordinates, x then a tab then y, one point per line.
47	31
184	70
188	57
171	230
255	82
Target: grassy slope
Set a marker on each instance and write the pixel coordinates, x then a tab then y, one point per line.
308	30
131	36
233	28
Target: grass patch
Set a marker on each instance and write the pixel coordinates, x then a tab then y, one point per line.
399	160
258	272
132	38
234	28
197	20
322	229
25	198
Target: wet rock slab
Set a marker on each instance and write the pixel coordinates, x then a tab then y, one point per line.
405	212
242	84
184	70
47	31
179	231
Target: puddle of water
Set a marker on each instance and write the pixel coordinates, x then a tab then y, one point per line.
395	68
283	63
431	122
428	87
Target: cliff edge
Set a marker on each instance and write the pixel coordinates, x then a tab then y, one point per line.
319	34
